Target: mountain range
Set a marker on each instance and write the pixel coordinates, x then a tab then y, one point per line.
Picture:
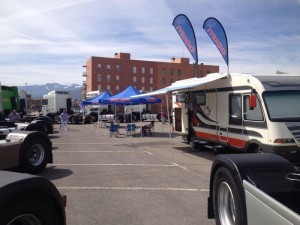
37	91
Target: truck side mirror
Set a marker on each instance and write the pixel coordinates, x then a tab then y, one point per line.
252	101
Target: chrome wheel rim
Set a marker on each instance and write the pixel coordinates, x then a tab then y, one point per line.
37	154
226	204
25	219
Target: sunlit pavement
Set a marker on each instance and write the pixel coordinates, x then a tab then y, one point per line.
129	179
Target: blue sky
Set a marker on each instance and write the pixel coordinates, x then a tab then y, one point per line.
49	41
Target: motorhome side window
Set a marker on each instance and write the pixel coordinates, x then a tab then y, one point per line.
180	98
200	99
235	109
254	114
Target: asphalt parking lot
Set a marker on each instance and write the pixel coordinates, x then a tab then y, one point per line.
129	179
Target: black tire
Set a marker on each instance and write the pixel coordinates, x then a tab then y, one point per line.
228	199
34	155
255	148
30	208
73	120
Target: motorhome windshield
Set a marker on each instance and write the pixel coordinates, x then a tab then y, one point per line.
283	105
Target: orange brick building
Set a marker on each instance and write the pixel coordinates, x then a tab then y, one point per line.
116	74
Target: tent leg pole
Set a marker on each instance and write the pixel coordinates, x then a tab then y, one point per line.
168	116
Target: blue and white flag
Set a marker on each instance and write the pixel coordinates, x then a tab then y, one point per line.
217	34
81	106
185	30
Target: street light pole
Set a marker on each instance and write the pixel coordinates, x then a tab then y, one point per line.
26	102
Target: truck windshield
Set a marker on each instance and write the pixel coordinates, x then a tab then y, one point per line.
283	106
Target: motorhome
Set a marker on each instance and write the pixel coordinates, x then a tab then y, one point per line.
241	111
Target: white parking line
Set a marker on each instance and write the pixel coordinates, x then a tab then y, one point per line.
111	164
134	188
106	151
81	143
182	167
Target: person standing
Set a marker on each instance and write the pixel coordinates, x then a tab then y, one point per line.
64	120
13	116
2	117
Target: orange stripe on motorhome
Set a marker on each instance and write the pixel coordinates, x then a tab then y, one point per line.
231	141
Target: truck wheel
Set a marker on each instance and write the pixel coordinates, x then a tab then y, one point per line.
228	199
33	209
34	155
73	120
255	148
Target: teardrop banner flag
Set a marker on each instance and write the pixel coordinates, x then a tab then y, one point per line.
185	30
216	32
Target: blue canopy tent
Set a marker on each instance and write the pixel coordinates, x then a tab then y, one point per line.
124	98
96	100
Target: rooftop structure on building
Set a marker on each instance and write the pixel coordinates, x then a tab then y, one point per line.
117	73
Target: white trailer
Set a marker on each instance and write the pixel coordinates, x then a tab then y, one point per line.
241	111
55	101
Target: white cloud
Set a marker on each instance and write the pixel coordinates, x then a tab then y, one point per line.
42	41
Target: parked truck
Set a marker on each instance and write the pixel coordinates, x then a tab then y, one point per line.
54	102
29	151
30	199
9	99
254	189
244	112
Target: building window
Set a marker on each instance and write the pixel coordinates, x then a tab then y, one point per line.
99	66
143	80
117	77
108	87
99	87
171	81
151	70
99	77
143	69
151	80
134	78
179	72
108	68
117	67
151	88
171	72
108	78
143	89
163	81
134	69
163	71
117	88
